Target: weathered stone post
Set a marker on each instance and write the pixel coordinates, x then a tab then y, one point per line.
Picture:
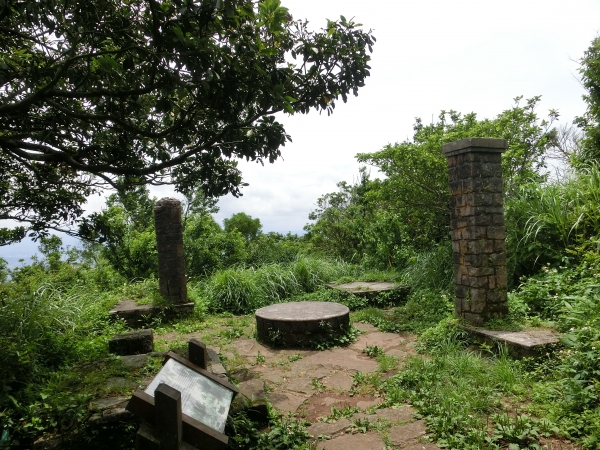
477	224
169	244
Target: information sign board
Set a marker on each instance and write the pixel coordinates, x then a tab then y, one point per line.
202	398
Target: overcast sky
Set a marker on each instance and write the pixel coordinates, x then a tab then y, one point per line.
430	55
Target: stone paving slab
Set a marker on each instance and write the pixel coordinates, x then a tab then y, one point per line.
286	402
396	415
360	287
523	343
368	441
328	429
402	434
338	359
385	341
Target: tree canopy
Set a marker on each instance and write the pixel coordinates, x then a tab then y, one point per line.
115	93
385	221
245	224
590	121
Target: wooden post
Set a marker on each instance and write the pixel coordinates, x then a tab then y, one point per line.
197	353
167	409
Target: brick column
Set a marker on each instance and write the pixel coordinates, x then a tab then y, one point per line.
477	224
169	244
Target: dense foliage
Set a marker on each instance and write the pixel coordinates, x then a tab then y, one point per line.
118	93
387	221
54	323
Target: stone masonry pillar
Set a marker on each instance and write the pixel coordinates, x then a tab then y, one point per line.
477	225
169	244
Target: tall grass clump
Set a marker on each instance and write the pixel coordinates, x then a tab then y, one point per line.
545	220
429	276
312	273
277	283
242	290
430	270
234	290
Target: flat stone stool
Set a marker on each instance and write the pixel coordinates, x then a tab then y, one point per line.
133	343
301	324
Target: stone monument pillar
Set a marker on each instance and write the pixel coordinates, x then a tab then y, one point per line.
477	224
169	244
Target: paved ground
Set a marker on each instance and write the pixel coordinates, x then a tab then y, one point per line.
307	384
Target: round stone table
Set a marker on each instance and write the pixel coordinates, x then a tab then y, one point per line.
301	324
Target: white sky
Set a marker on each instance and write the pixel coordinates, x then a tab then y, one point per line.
466	55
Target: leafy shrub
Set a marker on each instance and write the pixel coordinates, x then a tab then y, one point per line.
424	309
208	248
446	333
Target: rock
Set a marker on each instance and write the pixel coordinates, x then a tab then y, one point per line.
132	343
364	327
328	429
287	402
120	384
101	404
396	415
339	380
401	434
367	441
367	404
134	361
423	446
338	359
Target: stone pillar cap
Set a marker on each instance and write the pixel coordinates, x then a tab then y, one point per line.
167	201
475	144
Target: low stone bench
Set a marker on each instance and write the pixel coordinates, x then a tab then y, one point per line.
132	343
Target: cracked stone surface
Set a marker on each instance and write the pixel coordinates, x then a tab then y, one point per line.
308	383
371	441
402	434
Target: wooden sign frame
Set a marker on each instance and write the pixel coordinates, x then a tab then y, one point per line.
194	432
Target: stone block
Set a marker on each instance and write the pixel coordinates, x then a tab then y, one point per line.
466	171
133	343
496	232
497	295
487	246
479	232
498	199
491	210
488	170
483	199
500	246
461	291
478	247
455	249
481	220
456	186
501	277
473	319
475	260
478	295
497	259
481	271
498	219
